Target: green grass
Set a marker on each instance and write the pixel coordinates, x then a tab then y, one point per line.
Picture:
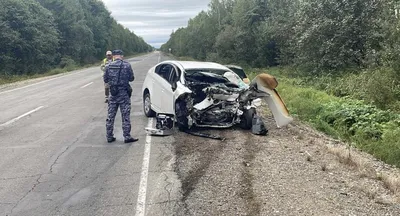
55	71
369	128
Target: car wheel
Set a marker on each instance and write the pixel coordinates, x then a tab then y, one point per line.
147	105
247	118
180	114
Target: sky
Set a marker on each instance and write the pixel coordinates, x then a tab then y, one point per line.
154	20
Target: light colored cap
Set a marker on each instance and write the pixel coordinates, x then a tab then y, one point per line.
109	53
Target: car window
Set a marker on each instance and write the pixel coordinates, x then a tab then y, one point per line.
174	76
157	69
164	71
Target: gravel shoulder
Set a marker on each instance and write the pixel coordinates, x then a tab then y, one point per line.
291	171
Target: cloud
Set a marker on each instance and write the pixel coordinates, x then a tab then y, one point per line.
154	20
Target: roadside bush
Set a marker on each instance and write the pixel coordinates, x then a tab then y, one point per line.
56	71
359	119
388	148
68	63
349	85
379	87
382	88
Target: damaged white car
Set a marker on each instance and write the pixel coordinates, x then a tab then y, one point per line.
207	94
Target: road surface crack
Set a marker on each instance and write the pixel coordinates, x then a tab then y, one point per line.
33	188
70	179
168	183
61	154
40	175
21	177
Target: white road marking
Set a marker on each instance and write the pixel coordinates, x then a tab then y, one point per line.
87	85
21	116
159	57
141	201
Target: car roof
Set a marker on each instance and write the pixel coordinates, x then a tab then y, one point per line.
197	64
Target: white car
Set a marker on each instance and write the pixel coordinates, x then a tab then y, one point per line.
207	94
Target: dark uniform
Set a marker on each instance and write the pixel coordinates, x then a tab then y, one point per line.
118	74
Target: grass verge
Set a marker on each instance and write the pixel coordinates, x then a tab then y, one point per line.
363	126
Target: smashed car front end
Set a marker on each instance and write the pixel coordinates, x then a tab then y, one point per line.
213	101
222	101
219	109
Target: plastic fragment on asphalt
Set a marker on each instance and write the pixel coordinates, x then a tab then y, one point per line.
158	132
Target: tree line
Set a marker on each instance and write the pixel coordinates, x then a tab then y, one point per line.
319	37
38	35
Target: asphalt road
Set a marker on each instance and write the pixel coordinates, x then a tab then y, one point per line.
54	158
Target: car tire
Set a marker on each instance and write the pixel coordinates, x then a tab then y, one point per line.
147	105
247	119
181	120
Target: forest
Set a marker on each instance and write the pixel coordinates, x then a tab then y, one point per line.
39	35
337	62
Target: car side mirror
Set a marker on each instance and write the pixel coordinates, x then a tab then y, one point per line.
174	86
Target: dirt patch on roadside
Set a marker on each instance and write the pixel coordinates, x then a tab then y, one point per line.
292	171
247	179
213	174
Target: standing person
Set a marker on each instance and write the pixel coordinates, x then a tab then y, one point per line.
118	74
106	61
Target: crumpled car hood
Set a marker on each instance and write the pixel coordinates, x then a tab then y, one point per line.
210	100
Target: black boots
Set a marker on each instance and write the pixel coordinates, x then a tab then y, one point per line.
110	140
131	140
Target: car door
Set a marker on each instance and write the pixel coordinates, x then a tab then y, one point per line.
168	99
161	87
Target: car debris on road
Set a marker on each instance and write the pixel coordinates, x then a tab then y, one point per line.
209	95
164	125
258	127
